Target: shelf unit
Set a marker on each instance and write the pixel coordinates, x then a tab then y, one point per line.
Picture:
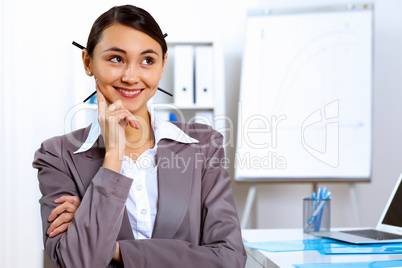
164	103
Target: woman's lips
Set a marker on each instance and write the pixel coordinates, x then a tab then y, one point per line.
128	93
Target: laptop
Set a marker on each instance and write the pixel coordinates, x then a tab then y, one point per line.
388	229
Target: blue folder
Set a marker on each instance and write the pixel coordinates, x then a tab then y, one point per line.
370	264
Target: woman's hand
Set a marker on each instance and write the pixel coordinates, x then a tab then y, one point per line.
113	119
63	214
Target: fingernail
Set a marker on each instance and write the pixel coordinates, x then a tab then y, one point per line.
51	234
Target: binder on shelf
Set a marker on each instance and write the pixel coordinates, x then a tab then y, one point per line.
204	76
184	75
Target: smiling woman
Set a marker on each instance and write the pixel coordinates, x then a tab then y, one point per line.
127	64
123	197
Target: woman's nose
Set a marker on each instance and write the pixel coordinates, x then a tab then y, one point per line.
130	75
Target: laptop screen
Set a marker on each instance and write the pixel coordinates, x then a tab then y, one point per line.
394	213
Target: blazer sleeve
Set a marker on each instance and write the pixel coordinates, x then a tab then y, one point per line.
220	242
91	236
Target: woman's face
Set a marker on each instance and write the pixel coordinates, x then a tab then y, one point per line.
128	65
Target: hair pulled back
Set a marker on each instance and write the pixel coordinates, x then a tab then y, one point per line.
128	15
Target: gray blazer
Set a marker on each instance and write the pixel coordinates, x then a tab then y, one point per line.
196	224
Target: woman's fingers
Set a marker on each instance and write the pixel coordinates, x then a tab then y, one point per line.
65	207
115	109
63	214
62	228
70	204
117	105
124	116
133	122
60	224
102	105
68	198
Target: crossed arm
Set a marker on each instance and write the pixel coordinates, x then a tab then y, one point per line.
63	214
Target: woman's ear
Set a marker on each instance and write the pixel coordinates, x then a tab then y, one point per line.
86	60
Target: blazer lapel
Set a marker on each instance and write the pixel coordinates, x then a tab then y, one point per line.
175	175
87	164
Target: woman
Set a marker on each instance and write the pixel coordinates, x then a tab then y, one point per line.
144	193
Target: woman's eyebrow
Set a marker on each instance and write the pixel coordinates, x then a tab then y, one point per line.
115	49
149	51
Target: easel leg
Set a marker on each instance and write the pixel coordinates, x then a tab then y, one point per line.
353	198
248	206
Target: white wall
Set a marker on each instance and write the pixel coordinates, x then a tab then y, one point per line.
37	69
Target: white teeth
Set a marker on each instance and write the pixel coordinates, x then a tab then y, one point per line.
129	92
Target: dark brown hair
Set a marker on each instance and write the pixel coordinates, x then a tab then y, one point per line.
130	16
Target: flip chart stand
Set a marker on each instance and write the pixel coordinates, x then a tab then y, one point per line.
249	205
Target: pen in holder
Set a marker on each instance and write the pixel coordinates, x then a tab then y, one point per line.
317	214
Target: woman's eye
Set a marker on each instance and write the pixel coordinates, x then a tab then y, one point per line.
116	59
147	61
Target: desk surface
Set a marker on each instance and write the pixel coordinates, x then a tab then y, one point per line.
259	258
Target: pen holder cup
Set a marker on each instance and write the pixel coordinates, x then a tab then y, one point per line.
316	215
